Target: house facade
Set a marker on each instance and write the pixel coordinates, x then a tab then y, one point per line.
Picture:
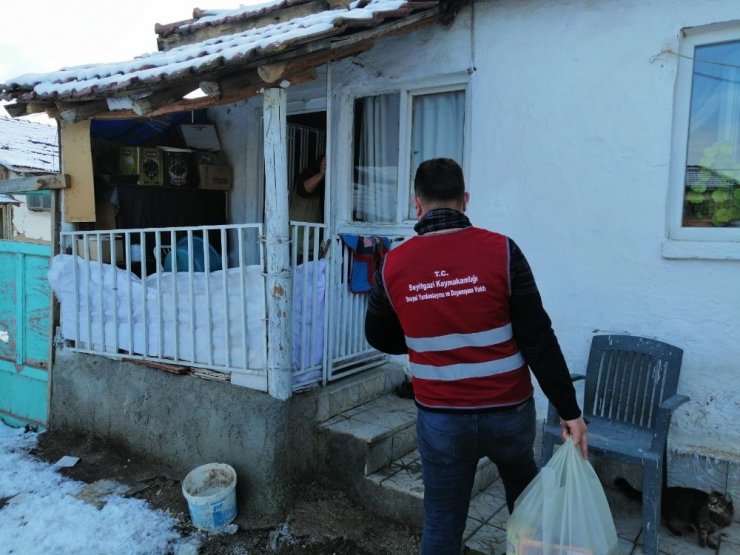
601	136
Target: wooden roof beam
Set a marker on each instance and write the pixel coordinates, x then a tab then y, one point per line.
72	112
145	105
236	95
34	183
229	84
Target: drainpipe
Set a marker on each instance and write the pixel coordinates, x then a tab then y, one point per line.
277	234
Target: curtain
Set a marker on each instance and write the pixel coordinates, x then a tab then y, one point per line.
376	159
438	122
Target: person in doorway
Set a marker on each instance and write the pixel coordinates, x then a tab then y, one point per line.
462	302
307	200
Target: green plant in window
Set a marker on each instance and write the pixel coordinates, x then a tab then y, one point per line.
695	197
718	176
720	196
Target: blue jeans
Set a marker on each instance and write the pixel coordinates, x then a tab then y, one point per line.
451	445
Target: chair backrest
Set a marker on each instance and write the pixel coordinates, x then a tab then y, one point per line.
628	377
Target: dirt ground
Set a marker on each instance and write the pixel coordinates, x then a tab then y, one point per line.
322	520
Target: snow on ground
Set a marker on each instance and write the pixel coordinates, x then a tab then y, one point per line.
43	514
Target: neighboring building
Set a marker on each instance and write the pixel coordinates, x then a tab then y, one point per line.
580	127
26	149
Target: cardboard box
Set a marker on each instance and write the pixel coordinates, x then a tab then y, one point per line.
150	166
146	162
128	160
178	167
214	177
92	245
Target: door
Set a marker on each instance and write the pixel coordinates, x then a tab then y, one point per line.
25	333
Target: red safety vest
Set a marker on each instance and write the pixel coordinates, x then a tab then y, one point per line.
451	294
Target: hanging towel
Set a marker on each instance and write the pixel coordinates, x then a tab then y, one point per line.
367	254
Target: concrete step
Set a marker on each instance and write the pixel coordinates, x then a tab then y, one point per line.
372	450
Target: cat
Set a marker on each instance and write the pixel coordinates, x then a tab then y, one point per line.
690	509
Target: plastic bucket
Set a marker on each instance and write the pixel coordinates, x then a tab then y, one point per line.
210	490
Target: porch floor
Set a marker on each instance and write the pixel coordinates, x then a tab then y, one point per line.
485	532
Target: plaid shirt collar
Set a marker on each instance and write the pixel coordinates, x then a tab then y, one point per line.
441	219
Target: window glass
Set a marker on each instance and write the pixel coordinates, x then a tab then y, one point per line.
39	202
437	131
375	160
712	178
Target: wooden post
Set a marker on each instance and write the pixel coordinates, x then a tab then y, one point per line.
277	232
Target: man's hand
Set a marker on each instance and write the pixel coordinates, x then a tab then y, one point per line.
576	429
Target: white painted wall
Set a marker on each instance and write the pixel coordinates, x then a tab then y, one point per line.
30	225
571	108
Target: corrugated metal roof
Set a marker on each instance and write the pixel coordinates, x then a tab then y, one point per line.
211	56
27	146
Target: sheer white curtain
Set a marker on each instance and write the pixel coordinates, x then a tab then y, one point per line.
438	122
376	159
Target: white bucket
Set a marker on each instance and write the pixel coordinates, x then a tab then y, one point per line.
211	493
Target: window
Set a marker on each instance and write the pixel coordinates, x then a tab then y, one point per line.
393	134
375	194
706	170
39	202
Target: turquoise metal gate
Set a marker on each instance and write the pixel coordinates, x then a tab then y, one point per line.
25	333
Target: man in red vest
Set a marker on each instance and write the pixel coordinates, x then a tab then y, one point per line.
462	302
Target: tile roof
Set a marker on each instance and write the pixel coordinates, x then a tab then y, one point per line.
212	56
27	146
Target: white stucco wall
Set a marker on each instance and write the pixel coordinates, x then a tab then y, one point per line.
570	128
30	225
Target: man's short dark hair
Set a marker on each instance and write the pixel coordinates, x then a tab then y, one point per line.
439	180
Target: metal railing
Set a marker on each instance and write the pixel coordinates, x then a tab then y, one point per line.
188	295
309	263
195	296
348	350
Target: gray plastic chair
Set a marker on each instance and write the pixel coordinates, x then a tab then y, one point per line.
630	396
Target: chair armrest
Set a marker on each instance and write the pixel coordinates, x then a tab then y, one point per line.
577	377
673	402
663	419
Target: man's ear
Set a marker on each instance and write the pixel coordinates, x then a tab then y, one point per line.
466	200
419	208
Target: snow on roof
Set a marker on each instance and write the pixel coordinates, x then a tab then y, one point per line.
217	17
26	146
102	80
7	199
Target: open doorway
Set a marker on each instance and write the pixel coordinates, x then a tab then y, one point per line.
306	147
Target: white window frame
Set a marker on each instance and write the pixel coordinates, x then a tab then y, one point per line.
694	242
407	91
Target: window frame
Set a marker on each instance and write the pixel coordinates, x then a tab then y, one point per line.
39	200
407	91
703	236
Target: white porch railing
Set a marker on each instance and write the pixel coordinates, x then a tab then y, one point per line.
348	350
307	255
195	296
191	295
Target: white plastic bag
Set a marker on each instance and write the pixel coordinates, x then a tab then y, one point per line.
563	511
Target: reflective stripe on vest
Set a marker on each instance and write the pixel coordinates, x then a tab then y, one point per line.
485	338
461	371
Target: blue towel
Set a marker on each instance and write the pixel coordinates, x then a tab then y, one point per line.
367	254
